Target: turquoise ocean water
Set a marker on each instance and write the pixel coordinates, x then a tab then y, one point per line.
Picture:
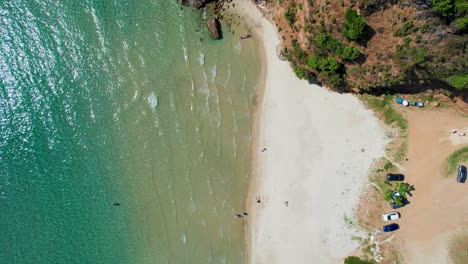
126	102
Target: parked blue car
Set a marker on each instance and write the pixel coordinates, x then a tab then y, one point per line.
461	175
391	227
395	177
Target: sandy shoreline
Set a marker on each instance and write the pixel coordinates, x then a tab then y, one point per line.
320	146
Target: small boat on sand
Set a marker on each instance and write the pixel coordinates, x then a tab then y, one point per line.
246	36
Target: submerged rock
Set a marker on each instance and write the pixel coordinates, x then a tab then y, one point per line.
214	27
196	3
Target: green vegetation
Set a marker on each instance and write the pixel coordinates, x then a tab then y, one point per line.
389	166
290	15
451	8
406	29
385	106
407	57
313	62
328	69
388	196
356	260
297	53
461	24
353	28
444	7
349	53
300	72
431	51
461	6
328	65
454	160
458	81
327	45
402	189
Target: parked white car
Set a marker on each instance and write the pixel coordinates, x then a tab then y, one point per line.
391	216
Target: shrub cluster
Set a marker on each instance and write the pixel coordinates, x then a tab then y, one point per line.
290	14
328	68
458	81
325	44
353	28
406	29
355	260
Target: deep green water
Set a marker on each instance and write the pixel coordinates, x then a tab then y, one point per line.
128	102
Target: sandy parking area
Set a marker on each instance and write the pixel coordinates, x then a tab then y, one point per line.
439	207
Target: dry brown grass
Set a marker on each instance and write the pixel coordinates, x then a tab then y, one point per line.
458	248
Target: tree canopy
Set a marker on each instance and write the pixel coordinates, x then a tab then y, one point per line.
353	27
459	81
444	7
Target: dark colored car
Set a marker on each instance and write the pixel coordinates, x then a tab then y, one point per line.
395	177
390	227
461	175
396	206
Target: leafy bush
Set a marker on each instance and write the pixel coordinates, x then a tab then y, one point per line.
328	68
300	55
444	7
461	24
328	65
334	79
402	188
349	53
300	72
290	15
459	81
407	57
327	45
354	26
406	29
355	260
461	7
313	62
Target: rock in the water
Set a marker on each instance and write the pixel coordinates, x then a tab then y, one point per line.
195	3
214	27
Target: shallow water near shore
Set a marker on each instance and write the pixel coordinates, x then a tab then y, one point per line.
125	134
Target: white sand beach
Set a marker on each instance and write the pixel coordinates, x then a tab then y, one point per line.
319	148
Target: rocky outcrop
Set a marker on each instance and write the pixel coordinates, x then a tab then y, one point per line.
214	27
196	3
213	24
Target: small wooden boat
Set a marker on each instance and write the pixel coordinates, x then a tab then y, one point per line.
246	36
